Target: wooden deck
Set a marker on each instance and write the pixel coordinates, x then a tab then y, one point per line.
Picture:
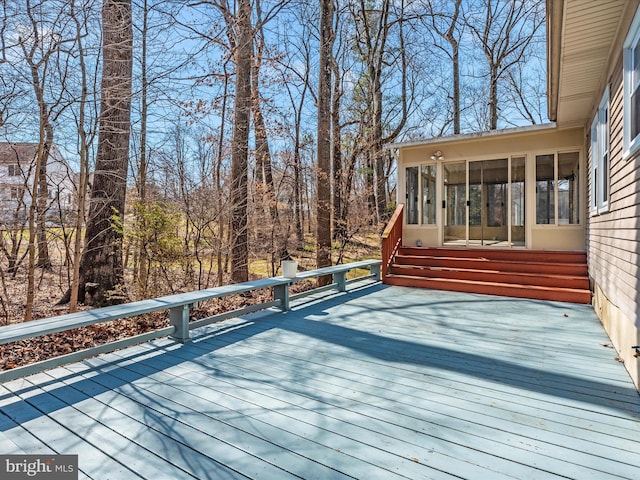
378	383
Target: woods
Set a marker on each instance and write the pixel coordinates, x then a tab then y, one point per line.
206	141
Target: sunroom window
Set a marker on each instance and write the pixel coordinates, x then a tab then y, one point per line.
558	189
421	195
428	194
412	195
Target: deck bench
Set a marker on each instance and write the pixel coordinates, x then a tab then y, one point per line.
179	306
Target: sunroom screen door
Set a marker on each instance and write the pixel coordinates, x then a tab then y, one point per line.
476	203
488	202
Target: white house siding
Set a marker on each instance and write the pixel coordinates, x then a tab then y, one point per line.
613	239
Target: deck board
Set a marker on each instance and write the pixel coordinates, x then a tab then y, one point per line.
380	382
475	411
377	407
300	417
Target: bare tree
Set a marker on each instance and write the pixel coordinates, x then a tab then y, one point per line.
504	30
337	92
323	212
446	25
374	27
295	67
101	263
240	148
86	132
526	91
42	40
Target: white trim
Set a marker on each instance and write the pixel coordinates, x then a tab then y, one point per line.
630	145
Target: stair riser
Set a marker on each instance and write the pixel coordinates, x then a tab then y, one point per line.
501	290
500	277
509	255
471	264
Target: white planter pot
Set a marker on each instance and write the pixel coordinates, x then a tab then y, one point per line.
289	268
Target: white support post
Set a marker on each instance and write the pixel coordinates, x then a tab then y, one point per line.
375	271
340	278
281	293
179	318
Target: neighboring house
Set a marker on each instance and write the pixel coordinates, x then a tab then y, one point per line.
572	185
17	169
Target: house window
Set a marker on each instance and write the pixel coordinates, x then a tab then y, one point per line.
14	170
600	156
631	56
17	193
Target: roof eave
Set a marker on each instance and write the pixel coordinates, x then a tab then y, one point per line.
528	129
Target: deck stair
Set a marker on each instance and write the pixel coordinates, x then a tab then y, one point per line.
540	274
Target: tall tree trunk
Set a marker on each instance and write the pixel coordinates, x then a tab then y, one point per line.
297	164
455	59
323	216
37	206
101	262
240	146
450	36
44	260
141	272
455	65
263	154
339	221
297	189
493	98
222	217
83	176
348	183
378	155
37	230
370	180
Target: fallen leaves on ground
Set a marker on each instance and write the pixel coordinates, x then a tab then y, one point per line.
24	352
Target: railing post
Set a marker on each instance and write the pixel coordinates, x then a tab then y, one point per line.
375	271
179	318
340	278
281	292
391	239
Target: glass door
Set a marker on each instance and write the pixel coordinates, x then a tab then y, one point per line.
484	203
488	200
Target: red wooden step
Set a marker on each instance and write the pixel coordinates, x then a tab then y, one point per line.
545	275
553	256
545	280
561	268
493	288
